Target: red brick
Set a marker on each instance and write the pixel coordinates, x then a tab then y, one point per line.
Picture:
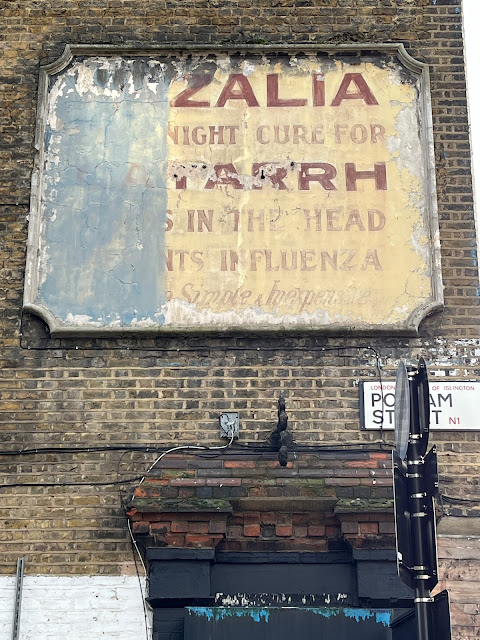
353	516
179	526
383	482
198	527
268	518
350	527
306	544
251	530
386	527
257	492
224	482
141	527
186	493
284	530
361	464
163	517
345	482
175	540
300	532
194	540
217	527
251	518
277	465
352	473
153	517
196	517
316	530
159	528
234	464
369	528
299	519
235	531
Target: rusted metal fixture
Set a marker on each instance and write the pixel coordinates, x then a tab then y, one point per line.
281	439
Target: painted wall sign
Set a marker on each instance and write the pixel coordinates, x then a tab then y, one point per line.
453	405
258	189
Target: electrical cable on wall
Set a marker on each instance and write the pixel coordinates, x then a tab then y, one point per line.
316	349
240	449
135	548
187	447
465	500
247	448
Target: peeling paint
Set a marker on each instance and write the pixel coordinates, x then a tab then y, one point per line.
220	613
233	192
262	614
280	599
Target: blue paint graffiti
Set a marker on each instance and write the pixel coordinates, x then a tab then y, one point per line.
262	614
381	617
221	613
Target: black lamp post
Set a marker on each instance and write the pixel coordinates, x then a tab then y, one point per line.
415	484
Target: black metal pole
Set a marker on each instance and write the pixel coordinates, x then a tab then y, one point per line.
418	512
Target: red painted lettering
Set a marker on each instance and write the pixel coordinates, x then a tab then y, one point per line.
379	174
318	89
362	92
354	219
196	83
325	178
371	260
272	95
376	220
225	174
244	92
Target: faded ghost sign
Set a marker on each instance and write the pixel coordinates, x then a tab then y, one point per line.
213	190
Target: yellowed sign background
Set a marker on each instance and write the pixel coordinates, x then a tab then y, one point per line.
296	196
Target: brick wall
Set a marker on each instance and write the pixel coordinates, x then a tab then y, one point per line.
250	503
81	392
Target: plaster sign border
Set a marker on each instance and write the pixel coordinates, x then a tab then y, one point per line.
408	327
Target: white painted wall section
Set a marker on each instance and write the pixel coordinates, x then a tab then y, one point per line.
75	608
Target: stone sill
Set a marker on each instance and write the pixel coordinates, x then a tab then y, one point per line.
261	504
364	506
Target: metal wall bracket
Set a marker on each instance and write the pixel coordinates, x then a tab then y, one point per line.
18	598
